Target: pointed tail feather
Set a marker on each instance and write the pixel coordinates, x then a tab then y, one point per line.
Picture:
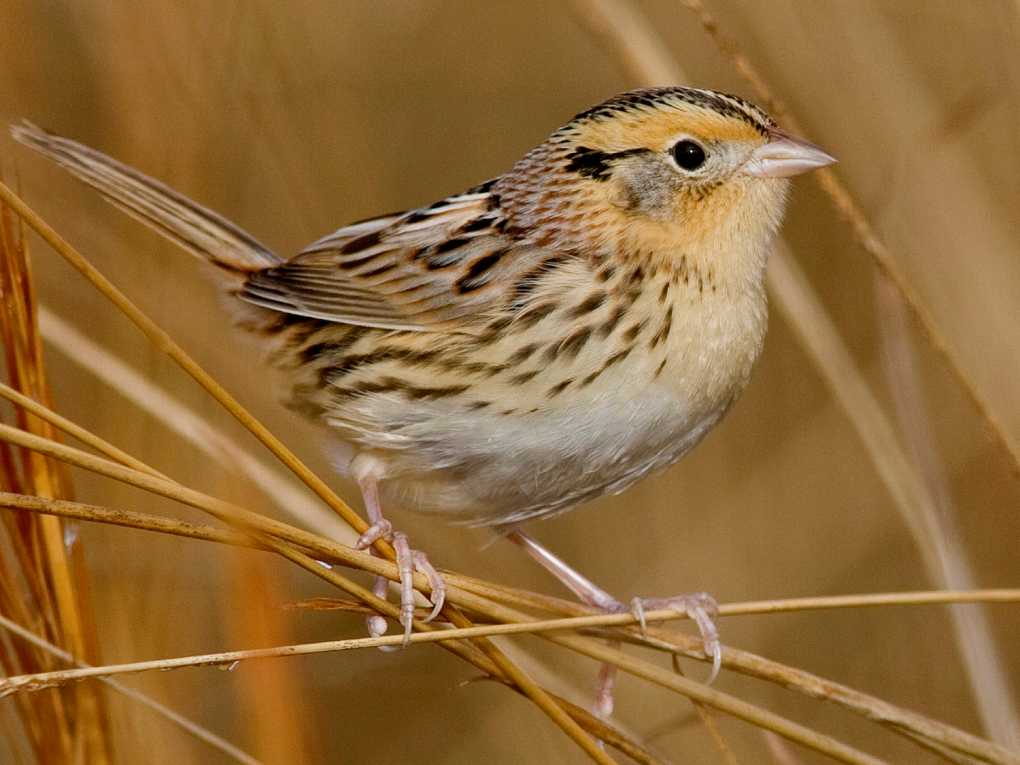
198	230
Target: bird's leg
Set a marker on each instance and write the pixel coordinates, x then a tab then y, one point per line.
586	590
605	690
408	560
700	607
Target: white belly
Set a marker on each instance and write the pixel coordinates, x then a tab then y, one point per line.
496	468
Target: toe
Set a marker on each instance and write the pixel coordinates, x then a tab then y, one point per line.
702	610
382	529
405	566
436	583
709	638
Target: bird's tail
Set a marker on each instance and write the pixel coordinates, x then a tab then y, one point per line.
198	230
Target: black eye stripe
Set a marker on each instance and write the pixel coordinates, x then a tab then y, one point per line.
595	164
688	155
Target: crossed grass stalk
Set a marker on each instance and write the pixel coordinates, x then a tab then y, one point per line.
506	610
915	482
510	610
43	582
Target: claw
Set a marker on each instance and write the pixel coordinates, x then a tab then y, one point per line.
438	597
637	608
701	608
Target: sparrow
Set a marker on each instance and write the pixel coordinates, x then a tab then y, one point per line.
544	338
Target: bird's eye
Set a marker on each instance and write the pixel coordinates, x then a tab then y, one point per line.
688	154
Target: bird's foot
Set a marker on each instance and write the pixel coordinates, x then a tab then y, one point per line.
408	561
700	607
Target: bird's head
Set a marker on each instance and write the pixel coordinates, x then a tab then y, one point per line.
663	170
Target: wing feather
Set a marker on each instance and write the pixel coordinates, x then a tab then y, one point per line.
439	266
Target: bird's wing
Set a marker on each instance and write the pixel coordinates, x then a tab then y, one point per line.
426	269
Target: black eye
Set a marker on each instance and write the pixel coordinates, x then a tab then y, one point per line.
688	154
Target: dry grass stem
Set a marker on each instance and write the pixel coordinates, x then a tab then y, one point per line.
43	579
43	680
165	343
76	431
593	649
716	699
708	720
179	419
587	647
270	532
492	661
190	726
930	511
982	657
505	610
804	312
916	727
148	522
46	680
868	706
944	560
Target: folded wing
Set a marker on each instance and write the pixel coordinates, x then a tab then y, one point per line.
436	267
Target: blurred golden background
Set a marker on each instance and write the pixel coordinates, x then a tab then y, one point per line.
292	119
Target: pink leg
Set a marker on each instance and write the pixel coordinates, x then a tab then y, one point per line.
700	607
408	561
604	698
377	624
583	588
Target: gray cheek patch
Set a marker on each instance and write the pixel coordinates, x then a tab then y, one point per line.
648	186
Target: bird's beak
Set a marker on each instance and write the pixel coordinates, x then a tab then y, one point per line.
783	156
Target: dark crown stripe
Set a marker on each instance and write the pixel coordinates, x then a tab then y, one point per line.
652	98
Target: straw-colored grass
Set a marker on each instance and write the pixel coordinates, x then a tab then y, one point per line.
43	579
299	547
46	652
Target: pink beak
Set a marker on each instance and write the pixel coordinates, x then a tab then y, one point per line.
784	156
